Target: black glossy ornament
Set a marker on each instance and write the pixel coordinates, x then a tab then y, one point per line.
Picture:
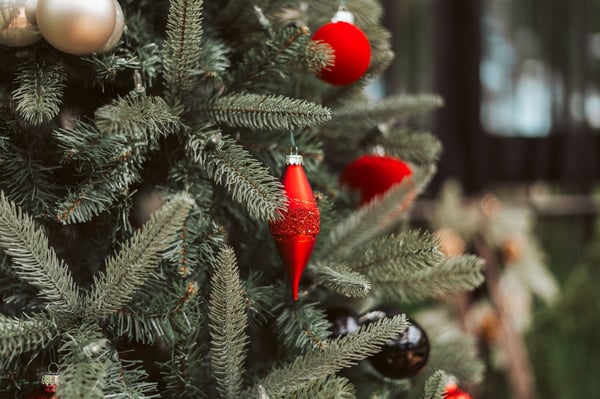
403	356
343	321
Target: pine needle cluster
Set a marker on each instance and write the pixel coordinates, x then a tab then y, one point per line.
136	187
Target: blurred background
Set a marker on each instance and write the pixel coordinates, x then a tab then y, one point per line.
517	183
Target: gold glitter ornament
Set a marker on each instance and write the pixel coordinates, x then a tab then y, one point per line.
17	23
76	26
117	31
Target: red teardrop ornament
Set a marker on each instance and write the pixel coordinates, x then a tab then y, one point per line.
295	234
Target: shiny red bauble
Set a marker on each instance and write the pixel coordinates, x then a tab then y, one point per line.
351	50
452	392
373	175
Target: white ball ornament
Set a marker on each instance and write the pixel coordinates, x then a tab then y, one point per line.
117	31
76	26
17	23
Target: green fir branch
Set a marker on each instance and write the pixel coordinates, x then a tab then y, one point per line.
373	219
407	252
435	386
137	115
227	322
457	354
214	59
303	327
390	108
29	183
39	90
85	144
272	61
420	148
181	64
128	270
141	327
247	180
456	274
341	279
336	355
23	334
98	193
127	379
331	387
183	374
84	363
33	258
264	112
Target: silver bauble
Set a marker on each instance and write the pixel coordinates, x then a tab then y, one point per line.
17	23
117	32
76	26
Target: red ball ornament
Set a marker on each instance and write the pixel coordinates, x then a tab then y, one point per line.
452	392
295	234
351	50
373	175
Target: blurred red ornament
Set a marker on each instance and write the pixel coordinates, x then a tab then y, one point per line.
351	49
373	175
295	234
452	392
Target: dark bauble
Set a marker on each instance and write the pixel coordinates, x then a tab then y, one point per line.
403	356
343	321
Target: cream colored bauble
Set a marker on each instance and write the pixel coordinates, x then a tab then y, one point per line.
76	26
117	31
17	23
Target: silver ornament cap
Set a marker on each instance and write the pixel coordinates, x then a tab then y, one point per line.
294	159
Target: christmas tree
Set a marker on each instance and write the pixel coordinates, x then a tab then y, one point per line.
149	248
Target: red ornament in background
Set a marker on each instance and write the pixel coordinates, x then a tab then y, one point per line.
295	234
49	381
351	49
452	392
373	175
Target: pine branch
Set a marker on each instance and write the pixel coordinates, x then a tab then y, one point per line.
337	354
453	275
138	115
390	108
435	387
264	112
111	164
331	387
87	145
246	179
457	354
341	279
129	269
183	373
128	379
182	48
39	91
304	327
271	61
84	363
373	219
227	322
98	193
28	333
141	327
34	260
27	182
403	253
421	148
214	59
